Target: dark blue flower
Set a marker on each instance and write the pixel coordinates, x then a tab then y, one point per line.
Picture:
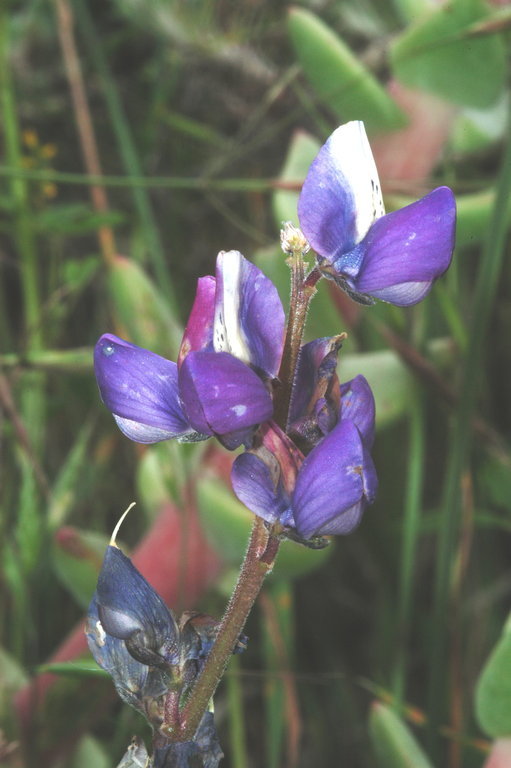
139	685
394	257
134	637
132	634
129	609
230	351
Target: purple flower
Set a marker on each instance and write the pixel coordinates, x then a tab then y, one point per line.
324	492
394	257
220	385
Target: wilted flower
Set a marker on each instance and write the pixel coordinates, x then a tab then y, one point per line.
134	637
394	257
220	384
132	634
129	609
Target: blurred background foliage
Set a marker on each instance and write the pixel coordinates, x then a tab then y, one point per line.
139	138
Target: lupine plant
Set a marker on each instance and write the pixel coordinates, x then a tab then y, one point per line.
304	440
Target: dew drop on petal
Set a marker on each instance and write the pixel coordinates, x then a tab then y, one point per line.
108	350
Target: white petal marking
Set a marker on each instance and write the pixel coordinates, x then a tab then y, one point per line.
228	334
353	159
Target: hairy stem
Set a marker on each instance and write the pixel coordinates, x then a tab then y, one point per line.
302	291
259	559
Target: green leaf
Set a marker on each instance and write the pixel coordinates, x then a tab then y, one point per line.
278	649
141	309
446	53
227	523
77	558
341	82
303	148
74	219
52	359
89	754
393	743
12	674
477	129
79	668
494	483
77	273
236	715
393	384
13	677
66	486
163	472
493	690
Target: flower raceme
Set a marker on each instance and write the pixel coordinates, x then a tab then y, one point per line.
220	385
313	474
394	257
307	469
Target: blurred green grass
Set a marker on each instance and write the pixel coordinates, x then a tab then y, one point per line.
205	117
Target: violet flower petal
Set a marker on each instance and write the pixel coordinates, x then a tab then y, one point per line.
141	390
249	317
259	489
335	476
357	405
142	433
199	328
405	251
341	196
220	394
345	523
